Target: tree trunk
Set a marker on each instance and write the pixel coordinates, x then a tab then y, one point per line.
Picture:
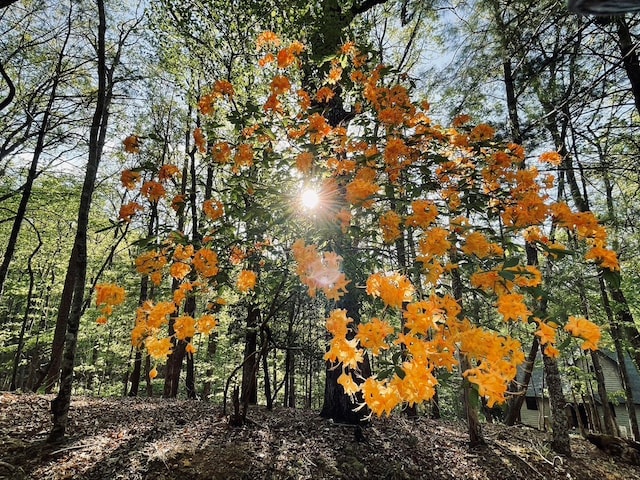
559	421
337	405
60	405
289	380
515	403
469	396
265	369
610	425
25	319
190	380
135	375
624	374
212	348
249	391
173	366
629	57
147	369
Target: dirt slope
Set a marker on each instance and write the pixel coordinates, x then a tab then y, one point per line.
165	439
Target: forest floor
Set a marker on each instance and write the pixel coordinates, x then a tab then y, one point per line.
178	439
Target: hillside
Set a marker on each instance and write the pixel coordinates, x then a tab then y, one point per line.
166	439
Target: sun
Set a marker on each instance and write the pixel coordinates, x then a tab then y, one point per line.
309	198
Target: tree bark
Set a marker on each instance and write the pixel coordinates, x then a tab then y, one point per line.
559	421
610	426
515	403
624	374
468	394
249	392
25	319
60	405
629	57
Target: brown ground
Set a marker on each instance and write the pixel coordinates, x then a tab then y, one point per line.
166	439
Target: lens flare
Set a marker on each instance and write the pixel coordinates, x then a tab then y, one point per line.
309	199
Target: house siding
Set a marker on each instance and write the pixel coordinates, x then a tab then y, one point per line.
613	384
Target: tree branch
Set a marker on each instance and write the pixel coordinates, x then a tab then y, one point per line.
366	5
12	88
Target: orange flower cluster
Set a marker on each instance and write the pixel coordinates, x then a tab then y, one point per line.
200	140
129	179
131	144
128	210
390	225
585	329
319	272
152	190
221	88
205	262
213	209
393	289
108	296
151	264
167	172
246	281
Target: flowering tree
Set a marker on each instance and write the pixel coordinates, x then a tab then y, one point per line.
468	201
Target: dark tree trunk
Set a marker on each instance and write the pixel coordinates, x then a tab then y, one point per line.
559	421
249	392
135	375
173	366
12	88
265	369
25	319
289	380
51	372
337	405
60	405
468	394
610	425
629	57
190	380
289	360
212	348
515	403
147	369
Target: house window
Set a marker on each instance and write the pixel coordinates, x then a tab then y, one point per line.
532	403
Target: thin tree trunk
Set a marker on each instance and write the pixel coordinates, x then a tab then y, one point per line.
559	421
25	319
469	396
249	392
610	425
624	373
212	348
337	405
176	358
629	57
515	403
60	405
265	369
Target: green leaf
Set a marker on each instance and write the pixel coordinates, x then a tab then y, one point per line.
507	275
511	262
